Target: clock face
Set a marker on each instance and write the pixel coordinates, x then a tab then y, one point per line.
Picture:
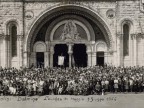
110	13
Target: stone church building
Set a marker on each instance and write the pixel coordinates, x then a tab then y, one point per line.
84	32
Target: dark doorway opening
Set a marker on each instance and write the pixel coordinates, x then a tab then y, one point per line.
100	58
61	50
40	59
79	55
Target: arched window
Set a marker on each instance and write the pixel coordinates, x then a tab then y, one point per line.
126	30
13	35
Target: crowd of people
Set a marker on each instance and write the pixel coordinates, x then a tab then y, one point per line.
71	81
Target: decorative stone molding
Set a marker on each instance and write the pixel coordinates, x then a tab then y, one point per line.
133	36
137	36
101	46
89	48
71	2
111	52
20	37
39	46
7	37
29	15
70	51
70	31
110	13
70	23
4	37
140	35
52	49
119	35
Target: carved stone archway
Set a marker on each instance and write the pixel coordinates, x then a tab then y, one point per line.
100	46
63	9
39	47
90	35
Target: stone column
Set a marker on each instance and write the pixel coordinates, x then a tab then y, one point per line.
94	58
119	49
7	51
46	59
46	55
89	58
26	56
20	48
70	60
70	54
132	49
33	58
1	39
93	54
51	55
106	58
135	50
3	52
89	55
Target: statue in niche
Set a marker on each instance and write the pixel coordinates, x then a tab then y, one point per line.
70	31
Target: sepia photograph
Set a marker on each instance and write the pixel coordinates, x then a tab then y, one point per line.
71	53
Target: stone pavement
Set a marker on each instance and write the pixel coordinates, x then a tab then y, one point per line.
63	101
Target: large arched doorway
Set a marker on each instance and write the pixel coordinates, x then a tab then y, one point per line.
79	55
101	50
100	58
38	58
50	30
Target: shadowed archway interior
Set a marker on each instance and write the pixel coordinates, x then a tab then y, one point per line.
60	50
79	55
40	59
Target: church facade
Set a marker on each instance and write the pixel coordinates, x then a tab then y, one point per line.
84	32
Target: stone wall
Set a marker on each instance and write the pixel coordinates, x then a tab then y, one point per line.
113	13
10	12
39	8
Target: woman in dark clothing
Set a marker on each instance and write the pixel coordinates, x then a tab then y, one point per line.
126	85
111	84
135	86
98	88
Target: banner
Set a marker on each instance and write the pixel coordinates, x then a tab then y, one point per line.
60	60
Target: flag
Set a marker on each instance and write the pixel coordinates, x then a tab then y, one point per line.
60	60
